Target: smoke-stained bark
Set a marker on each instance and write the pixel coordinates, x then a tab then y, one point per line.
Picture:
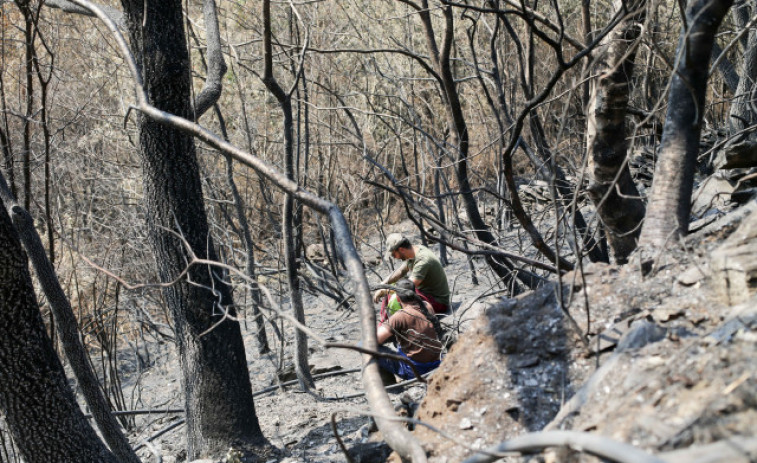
36	401
611	187
670	199
218	394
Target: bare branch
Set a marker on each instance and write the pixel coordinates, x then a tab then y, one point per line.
590	443
211	91
114	14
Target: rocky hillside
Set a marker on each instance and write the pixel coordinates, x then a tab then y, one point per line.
668	366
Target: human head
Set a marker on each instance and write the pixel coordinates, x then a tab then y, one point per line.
405	290
395	241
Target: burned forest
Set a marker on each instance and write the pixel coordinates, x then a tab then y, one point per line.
209	208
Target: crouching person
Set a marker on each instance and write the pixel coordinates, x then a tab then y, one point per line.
416	333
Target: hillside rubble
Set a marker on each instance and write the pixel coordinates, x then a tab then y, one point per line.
669	363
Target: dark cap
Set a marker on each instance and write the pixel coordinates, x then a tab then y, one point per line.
393	242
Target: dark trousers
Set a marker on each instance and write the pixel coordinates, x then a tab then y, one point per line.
402	369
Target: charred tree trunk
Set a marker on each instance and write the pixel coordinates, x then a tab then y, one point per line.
291	221
218	394
67	328
39	406
611	188
670	198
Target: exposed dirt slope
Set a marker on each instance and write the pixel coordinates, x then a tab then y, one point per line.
685	377
683	374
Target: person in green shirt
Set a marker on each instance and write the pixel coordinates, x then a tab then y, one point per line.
424	270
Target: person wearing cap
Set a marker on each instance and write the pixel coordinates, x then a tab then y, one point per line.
416	332
424	269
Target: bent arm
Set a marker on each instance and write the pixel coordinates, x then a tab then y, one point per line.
396	275
383	334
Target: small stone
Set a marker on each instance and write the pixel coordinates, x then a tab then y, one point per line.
694	275
667	314
465	423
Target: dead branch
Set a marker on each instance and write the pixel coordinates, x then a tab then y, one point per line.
593	444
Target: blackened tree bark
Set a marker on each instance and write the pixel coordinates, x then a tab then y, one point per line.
611	187
39	407
218	394
291	220
67	328
670	199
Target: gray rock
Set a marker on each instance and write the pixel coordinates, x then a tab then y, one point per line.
641	334
737	155
713	193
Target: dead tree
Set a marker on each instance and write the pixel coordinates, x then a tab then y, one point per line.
67	328
742	114
670	199
460	138
611	188
35	398
741	150
541	158
218	394
290	224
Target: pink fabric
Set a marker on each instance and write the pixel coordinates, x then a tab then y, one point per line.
436	305
384	314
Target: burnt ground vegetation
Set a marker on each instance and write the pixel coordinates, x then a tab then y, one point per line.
666	364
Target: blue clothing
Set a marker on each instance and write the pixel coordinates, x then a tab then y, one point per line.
402	369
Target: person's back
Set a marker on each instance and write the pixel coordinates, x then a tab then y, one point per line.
415	334
427	268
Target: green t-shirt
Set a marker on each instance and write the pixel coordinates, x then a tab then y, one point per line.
426	267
